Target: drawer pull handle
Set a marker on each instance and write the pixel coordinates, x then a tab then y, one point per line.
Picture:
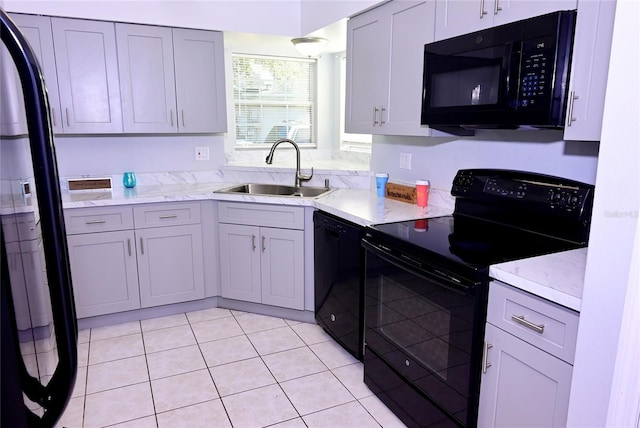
485	356
165	217
538	328
96	222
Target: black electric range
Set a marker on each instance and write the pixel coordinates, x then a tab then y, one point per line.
427	282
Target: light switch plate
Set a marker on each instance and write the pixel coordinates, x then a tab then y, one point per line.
405	160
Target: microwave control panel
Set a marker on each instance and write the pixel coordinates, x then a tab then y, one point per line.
537	63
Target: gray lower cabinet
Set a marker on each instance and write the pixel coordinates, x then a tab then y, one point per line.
262	254
104	272
528	360
125	257
170	264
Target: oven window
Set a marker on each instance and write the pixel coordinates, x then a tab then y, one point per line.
423	328
412	335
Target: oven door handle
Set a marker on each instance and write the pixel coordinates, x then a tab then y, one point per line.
417	268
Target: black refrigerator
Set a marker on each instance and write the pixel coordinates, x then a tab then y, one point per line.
39	327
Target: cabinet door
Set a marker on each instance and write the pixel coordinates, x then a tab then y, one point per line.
456	17
147	83
87	67
170	265
37	30
411	27
522	386
282	267
589	70
365	60
103	272
506	11
200	90
13	120
240	262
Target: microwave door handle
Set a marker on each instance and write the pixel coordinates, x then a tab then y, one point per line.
511	67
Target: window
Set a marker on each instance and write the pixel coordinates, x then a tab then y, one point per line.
274	98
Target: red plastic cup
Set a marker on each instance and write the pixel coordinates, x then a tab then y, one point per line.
422	191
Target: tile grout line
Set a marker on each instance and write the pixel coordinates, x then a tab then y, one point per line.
146	361
209	370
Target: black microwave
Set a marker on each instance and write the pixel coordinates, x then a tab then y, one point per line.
508	76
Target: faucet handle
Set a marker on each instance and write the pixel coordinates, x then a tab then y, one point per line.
303	177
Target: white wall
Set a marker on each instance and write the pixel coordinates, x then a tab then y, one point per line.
268	17
316	14
602	354
439	158
106	155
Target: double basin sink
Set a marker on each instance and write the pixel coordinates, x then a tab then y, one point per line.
275	190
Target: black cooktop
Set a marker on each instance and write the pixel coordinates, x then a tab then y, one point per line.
472	242
499	215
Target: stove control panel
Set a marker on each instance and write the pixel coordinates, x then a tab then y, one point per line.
535	191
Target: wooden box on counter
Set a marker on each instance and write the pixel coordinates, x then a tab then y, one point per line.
401	193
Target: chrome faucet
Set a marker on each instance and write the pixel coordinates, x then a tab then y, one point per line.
299	177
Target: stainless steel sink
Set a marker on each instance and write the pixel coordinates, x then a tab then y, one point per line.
275	190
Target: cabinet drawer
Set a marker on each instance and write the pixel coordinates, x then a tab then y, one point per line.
166	214
282	216
537	321
98	219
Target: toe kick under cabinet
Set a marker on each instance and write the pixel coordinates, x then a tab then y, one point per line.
262	253
528	360
127	257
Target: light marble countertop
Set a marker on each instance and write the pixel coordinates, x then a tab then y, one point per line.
360	206
557	277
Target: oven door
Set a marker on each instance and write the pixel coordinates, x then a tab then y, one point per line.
424	326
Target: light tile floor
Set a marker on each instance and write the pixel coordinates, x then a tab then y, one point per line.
219	368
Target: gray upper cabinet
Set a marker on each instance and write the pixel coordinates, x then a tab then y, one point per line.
87	66
384	68
172	80
200	92
589	70
145	61
37	30
456	17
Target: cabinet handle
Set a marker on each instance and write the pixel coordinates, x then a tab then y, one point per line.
171	114
496	7
66	113
382	110
141	246
375	115
485	355
253	242
182	113
482	11
95	222
264	247
53	116
129	246
538	328
165	217
572	98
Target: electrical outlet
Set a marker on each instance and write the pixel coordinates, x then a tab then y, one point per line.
202	153
405	160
